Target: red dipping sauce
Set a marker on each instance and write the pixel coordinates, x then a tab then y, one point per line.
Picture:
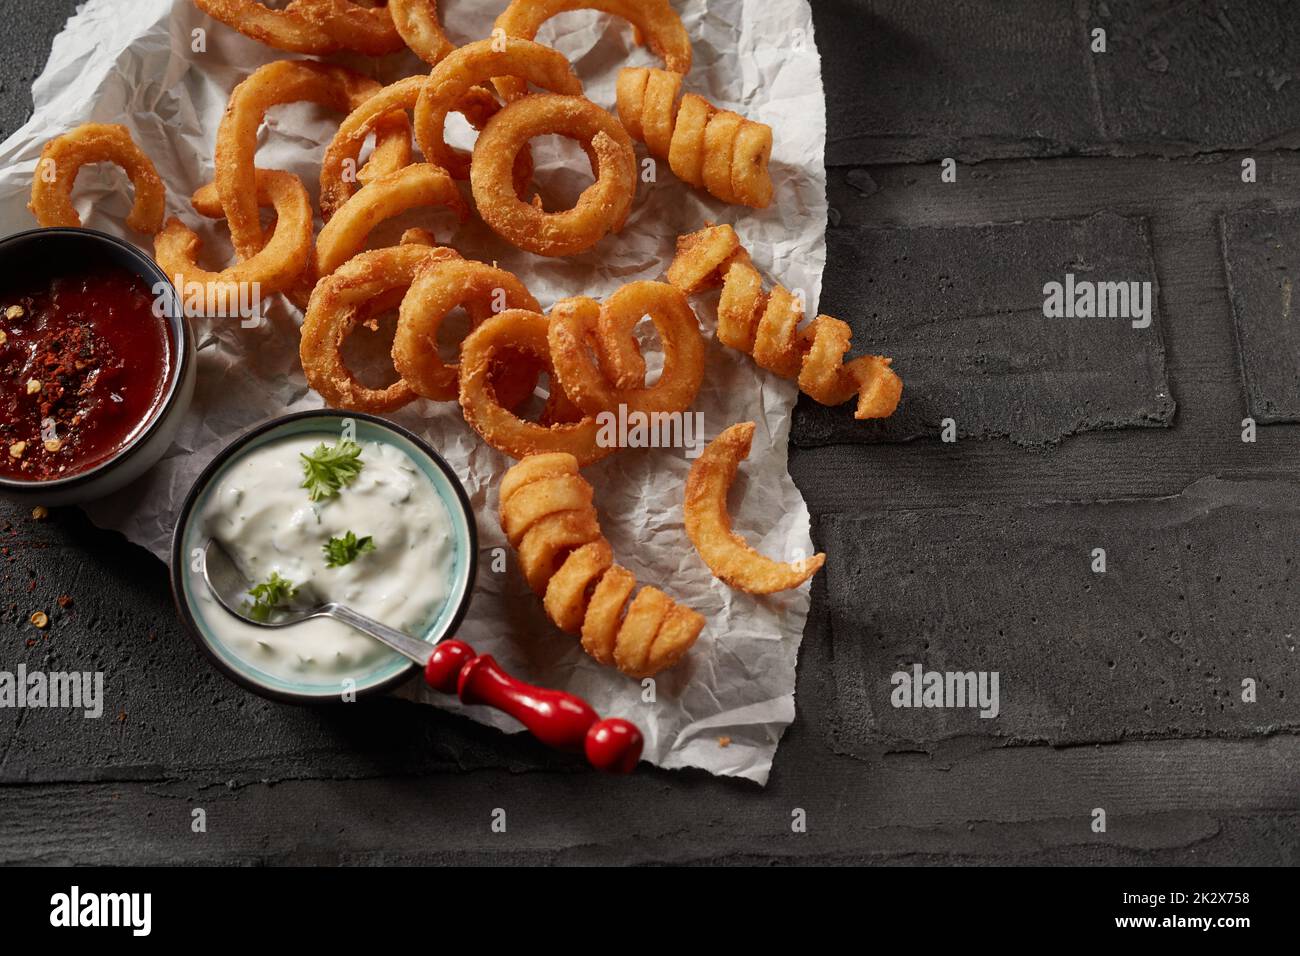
84	365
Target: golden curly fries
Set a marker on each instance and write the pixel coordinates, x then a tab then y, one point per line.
548	516
715	150
709	524
766	327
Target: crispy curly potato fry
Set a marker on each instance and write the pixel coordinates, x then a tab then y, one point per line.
708	523
548	516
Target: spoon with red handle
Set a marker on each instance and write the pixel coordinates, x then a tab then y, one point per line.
558	719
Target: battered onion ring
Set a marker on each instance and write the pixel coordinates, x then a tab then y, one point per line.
334	312
309	26
61	160
726	553
473	64
291	81
579	328
284	29
438	288
207	203
522	333
655	21
367	30
602	208
422	184
274	268
548	516
475	103
417	22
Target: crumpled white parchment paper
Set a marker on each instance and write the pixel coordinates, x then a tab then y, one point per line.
136	64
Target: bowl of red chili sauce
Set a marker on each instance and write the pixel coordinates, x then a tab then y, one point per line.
96	365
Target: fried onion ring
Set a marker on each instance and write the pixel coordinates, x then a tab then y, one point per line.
417	22
366	30
579	328
273	269
515	333
438	288
602	208
61	160
469	66
656	24
334	312
708	524
548	516
289	81
476	103
422	184
310	26
284	29
766	327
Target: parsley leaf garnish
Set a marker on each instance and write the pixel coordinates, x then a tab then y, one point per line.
330	468
269	595
344	550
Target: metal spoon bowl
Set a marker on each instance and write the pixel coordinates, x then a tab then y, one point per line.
230	587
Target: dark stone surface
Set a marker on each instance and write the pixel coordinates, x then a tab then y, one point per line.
396	782
1197	594
30	28
960	310
973	80
1259	250
991	79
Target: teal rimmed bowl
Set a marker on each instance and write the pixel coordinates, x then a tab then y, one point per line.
189	538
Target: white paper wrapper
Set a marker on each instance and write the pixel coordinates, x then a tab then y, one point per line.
135	64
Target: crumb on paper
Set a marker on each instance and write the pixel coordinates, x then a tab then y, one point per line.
724	741
40	513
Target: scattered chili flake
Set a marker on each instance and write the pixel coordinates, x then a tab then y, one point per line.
40	619
65	600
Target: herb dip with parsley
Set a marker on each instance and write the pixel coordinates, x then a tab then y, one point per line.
312	519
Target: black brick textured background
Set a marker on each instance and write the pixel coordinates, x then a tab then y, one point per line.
1119	690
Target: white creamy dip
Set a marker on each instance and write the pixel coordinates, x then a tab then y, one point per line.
268	523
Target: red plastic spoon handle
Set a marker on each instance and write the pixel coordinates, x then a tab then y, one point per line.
556	718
